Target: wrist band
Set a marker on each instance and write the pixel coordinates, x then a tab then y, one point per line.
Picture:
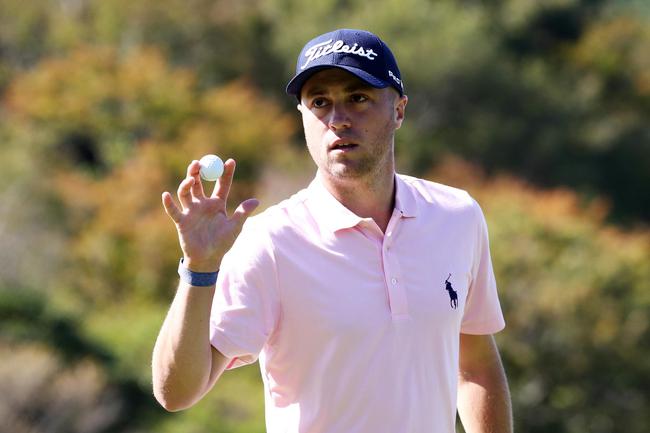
198	279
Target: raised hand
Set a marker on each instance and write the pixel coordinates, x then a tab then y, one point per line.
205	231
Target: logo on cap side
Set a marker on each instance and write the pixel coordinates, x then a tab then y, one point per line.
324	48
397	80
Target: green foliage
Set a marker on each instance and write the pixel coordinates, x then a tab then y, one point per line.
26	318
55	379
132	98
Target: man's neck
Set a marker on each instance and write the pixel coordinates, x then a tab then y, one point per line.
368	198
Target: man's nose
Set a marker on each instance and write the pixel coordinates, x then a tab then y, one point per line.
339	118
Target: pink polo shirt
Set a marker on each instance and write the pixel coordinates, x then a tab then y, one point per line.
357	331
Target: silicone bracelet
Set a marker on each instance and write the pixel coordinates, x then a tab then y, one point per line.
197	279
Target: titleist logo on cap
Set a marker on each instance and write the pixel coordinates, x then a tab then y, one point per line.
324	48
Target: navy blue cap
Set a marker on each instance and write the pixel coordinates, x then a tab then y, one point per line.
356	51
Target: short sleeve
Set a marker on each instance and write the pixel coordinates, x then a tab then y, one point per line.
245	306
482	313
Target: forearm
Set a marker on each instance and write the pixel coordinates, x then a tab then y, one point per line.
182	355
483	397
485	407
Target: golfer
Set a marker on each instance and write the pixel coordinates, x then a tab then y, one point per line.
368	297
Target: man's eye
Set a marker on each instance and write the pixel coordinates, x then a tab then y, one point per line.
319	102
359	98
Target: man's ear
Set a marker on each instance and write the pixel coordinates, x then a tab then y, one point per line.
400	109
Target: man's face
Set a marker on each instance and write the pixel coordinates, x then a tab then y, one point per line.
349	125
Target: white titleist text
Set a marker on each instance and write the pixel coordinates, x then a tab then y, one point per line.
324	48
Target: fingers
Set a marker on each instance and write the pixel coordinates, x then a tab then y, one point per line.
170	207
193	171
222	187
184	192
244	210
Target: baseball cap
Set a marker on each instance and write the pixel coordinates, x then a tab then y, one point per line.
357	51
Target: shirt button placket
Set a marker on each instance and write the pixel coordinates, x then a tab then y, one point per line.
396	290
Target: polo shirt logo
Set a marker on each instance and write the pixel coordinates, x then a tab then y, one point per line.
453	295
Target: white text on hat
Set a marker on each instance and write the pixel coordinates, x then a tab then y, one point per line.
324	48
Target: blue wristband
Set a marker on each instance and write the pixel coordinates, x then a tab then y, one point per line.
197	279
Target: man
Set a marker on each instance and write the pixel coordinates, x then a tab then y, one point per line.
369	296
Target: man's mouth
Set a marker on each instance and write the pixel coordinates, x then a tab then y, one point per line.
344	146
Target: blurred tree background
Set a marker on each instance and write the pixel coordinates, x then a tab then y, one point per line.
541	110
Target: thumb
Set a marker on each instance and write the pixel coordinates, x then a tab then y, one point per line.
244	210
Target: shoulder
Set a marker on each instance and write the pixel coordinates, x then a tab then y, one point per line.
255	248
442	197
277	218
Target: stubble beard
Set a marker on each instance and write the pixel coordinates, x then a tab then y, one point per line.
366	167
377	158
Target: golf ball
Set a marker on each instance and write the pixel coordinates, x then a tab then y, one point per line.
211	167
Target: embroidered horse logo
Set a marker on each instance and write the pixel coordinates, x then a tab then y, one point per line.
453	295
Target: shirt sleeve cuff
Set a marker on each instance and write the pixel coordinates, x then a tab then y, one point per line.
483	328
231	351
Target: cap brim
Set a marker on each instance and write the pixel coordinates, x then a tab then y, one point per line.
296	83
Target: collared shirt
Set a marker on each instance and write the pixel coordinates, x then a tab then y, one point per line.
356	330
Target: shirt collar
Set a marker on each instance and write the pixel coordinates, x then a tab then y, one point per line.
404	199
327	210
331	214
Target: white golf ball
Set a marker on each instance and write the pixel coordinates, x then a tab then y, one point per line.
211	167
